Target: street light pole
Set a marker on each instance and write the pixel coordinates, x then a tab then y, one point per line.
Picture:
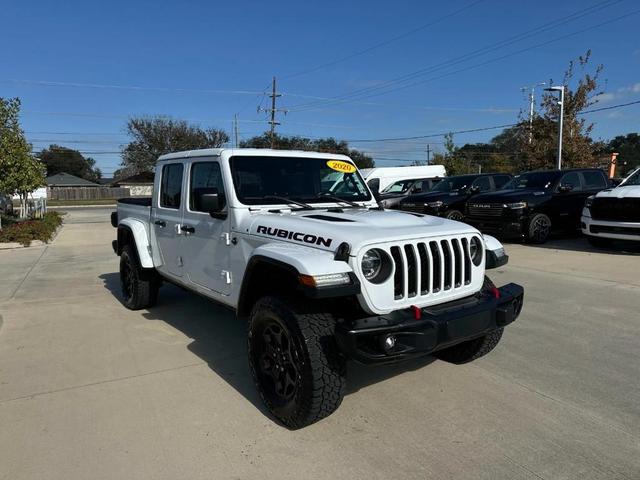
560	122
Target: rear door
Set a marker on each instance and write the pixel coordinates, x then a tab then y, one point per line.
167	216
206	241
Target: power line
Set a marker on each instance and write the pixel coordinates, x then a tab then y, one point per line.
384	43
610	108
368	92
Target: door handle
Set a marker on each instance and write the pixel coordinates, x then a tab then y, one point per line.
161	223
187	229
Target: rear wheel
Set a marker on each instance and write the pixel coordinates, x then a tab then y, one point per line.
539	228
599	242
139	288
454	215
294	362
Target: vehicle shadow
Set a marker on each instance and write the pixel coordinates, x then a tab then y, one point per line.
581	244
220	340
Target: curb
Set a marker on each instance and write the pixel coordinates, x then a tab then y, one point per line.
65	207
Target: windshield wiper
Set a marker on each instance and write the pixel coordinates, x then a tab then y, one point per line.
335	198
288	200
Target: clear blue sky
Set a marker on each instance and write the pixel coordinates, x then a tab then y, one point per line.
205	61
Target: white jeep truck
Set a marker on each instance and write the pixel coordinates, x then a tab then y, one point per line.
297	245
613	214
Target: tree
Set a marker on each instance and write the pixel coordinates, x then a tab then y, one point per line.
156	136
628	148
20	172
327	145
59	159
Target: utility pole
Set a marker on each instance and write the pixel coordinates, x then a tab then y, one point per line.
428	154
560	122
532	100
235	128
272	111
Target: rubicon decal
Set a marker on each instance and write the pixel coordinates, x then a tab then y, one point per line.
297	236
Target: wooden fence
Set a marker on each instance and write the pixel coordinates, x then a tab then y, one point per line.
86	193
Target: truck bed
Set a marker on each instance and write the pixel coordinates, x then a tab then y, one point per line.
139	208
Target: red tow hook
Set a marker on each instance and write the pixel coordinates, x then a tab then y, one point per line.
495	292
417	313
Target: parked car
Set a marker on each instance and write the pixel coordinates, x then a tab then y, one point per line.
534	204
449	196
613	213
379	178
391	196
318	277
6	204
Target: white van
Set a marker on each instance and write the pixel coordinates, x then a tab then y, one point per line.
380	178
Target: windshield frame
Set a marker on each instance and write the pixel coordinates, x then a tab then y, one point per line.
553	175
260	200
468	178
634	177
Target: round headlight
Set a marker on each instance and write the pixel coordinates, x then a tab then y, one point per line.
371	263
475	250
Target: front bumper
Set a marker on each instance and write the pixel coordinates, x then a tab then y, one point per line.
437	328
613	230
502	227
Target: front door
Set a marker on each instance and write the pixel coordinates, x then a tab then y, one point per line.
207	241
568	204
166	218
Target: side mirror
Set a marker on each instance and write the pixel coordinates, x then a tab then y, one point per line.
474	189
210	201
565	187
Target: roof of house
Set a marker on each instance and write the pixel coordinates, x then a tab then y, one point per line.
64	179
143	178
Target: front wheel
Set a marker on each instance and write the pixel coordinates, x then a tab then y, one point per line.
470	350
539	228
454	215
294	361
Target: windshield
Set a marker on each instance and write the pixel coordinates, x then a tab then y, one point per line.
399	187
633	179
302	179
452	184
539	180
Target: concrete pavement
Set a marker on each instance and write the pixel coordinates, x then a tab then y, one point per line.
89	389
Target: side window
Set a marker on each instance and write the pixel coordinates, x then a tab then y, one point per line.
171	185
500	181
206	177
594	180
573	179
483	183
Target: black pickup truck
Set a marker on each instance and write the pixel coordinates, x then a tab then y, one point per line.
534	204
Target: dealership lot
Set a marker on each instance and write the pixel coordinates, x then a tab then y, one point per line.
89	389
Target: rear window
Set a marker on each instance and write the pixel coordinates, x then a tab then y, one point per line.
171	186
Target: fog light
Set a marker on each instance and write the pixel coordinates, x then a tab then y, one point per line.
388	343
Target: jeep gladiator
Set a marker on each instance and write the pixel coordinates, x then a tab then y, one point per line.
297	245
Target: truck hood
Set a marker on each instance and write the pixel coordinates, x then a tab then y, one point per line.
510	196
358	227
445	197
632	191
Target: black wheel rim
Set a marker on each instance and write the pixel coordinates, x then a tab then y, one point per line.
276	362
455	216
127	279
540	229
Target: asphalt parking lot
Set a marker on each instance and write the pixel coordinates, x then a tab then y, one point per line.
89	389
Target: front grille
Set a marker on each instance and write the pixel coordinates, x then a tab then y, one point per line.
412	207
426	268
485	209
616	209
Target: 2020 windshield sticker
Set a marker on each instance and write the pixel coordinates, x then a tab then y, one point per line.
341	166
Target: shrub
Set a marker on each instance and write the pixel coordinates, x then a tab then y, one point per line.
26	231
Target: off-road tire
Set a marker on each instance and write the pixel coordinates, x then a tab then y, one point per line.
536	233
456	215
139	288
599	242
478	347
321	368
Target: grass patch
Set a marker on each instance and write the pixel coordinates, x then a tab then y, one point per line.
26	231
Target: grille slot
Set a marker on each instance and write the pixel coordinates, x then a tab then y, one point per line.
427	268
485	209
